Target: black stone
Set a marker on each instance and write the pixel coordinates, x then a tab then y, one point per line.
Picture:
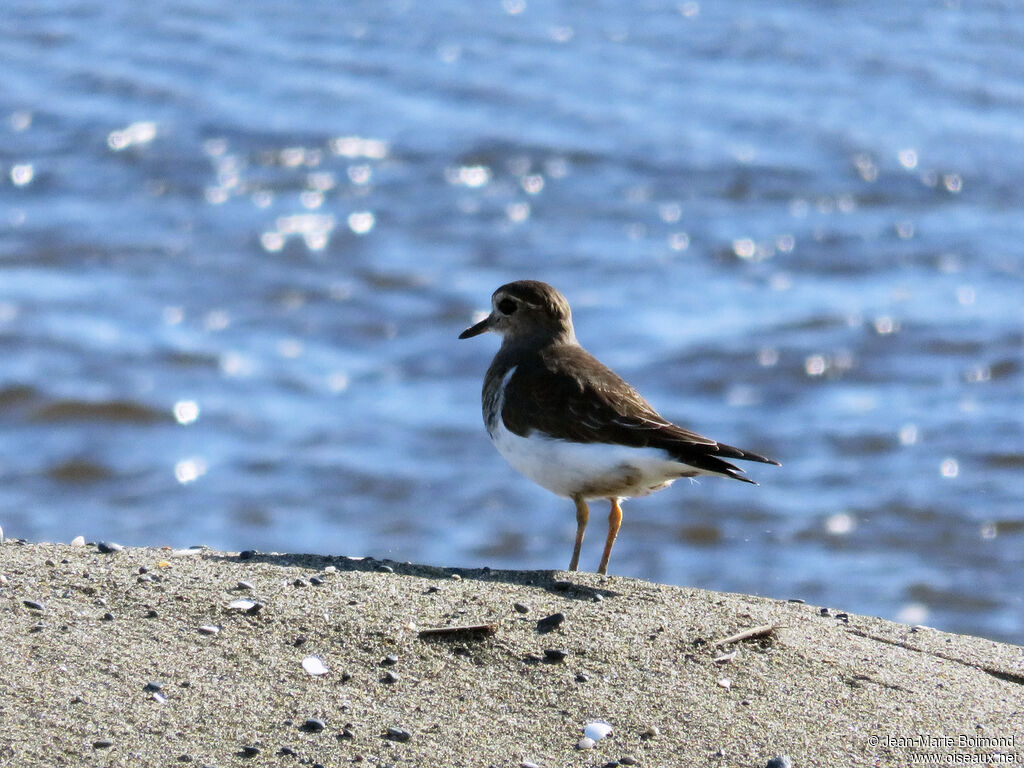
550	623
781	761
247	554
398	734
555	654
102	744
313	725
389	661
152	687
520	608
250	751
33	605
108	547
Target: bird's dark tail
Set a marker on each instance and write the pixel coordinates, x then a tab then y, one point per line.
712	458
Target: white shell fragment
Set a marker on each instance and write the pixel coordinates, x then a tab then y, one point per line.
241	604
725	682
314	665
597	730
725	658
209	629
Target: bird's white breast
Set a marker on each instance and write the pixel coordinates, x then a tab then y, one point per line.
591	470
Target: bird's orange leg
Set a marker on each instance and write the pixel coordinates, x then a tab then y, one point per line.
582	516
614	521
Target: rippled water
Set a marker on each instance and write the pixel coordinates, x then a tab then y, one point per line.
237	247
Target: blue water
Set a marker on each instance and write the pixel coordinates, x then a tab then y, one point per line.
237	245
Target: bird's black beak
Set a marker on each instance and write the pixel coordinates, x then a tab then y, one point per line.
475	330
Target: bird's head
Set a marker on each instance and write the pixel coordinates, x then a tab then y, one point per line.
526	310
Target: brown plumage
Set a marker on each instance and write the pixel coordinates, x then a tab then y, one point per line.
544	394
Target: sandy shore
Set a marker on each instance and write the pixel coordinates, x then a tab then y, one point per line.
138	658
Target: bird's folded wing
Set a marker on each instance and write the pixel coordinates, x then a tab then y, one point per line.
572	396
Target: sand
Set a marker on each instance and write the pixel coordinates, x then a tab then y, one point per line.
104	663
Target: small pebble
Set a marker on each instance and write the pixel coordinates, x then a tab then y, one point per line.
316	581
550	623
153	687
300	583
398	734
107	547
209	629
247	554
597	730
330	569
725	682
582	677
385	569
824	611
528	764
102	744
389	677
651	732
628	760
285	752
389	661
781	761
314	665
456	577
555	654
250	751
313	725
520	608
250	607
247	586
78	541
159	698
32	605
585	743
108	616
151	614
796	600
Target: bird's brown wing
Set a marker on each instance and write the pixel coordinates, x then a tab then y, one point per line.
573	396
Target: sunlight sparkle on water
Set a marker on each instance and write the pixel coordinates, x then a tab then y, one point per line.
136	133
189	470
186	411
908	434
355	146
471	176
361	222
949	468
22	174
908	158
913	613
840	523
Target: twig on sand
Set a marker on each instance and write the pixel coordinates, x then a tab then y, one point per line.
764	630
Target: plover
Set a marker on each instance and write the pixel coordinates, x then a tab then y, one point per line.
569	423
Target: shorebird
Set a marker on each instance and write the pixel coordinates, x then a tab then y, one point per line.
569	423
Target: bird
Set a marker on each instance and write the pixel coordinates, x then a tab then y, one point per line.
570	424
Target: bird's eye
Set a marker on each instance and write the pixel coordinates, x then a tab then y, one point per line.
507	306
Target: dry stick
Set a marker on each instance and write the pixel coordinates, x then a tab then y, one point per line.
747	634
463	632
